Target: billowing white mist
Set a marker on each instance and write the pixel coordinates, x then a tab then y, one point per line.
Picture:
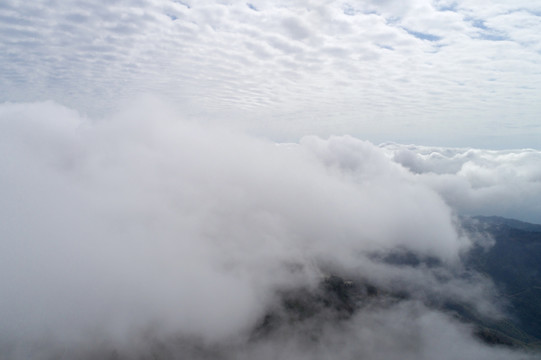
146	224
504	183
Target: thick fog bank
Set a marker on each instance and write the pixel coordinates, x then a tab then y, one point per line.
144	229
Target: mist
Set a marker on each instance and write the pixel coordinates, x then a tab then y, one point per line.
144	228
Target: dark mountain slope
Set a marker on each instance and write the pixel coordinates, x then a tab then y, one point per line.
514	264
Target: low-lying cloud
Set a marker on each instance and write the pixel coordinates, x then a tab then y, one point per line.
145	229
478	182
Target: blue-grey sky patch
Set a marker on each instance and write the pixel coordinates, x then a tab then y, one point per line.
452	6
182	3
348	9
387	47
424	36
492	37
479	24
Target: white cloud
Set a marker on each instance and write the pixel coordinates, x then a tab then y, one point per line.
479	182
143	222
394	70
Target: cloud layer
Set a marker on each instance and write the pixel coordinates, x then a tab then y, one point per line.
460	72
144	225
478	182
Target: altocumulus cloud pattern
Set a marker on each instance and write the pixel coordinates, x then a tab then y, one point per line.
463	73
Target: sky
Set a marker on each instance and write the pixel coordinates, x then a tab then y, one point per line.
443	73
168	168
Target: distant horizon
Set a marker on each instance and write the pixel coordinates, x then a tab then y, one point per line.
487	142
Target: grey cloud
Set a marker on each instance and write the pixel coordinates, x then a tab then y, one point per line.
406	331
77	17
337	52
296	29
283	45
258	50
